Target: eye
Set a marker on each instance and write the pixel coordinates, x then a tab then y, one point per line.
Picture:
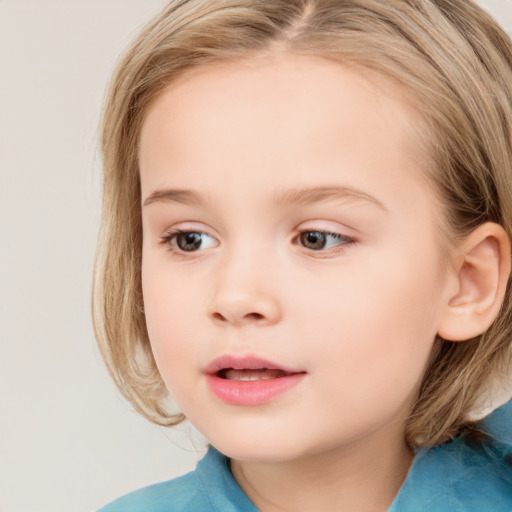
319	240
188	241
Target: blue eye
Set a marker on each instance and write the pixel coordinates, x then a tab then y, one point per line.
189	241
319	240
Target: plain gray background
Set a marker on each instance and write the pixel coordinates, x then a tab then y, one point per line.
68	443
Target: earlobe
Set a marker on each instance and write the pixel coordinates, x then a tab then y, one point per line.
482	271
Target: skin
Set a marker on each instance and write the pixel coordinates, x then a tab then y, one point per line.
359	317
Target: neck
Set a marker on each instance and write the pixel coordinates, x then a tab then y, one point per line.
364	477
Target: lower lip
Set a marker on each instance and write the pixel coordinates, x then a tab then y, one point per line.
253	392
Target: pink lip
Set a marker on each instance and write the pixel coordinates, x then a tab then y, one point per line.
255	392
245	363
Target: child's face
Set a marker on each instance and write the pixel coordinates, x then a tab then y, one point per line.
312	245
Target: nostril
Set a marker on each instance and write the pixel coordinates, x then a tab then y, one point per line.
218	316
255	316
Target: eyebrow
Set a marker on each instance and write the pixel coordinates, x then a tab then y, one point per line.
299	196
312	195
173	196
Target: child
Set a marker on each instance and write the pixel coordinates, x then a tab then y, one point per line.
306	244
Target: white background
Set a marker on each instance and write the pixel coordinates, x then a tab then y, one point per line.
68	443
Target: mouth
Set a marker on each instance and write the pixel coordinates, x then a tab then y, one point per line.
248	368
250	380
251	375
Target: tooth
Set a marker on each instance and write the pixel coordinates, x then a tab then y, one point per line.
251	375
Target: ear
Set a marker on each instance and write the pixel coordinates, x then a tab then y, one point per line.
481	273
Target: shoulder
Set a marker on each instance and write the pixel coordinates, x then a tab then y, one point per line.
209	488
183	493
464	476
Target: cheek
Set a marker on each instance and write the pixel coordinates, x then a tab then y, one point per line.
170	320
377	328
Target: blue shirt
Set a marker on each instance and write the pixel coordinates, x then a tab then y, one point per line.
458	476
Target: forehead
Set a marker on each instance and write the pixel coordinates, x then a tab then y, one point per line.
281	118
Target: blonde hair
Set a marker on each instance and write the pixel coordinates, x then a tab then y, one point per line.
452	58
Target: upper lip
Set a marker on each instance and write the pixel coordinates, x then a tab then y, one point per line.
245	363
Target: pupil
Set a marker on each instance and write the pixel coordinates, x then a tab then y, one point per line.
313	240
189	241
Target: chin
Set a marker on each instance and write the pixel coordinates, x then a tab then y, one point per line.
249	453
260	448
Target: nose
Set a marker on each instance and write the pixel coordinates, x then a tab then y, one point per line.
245	294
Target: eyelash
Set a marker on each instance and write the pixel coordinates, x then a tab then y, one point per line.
345	241
169	240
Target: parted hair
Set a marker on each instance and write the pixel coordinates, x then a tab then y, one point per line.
455	63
